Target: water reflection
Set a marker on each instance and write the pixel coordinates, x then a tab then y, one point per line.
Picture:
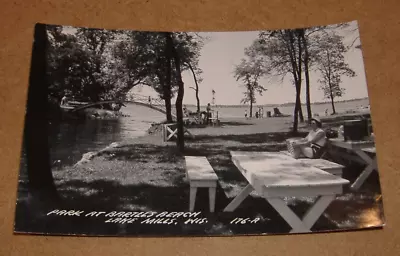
68	141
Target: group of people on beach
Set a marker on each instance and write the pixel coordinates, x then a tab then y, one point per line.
258	114
205	115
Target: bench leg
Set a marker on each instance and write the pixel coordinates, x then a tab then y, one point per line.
364	175
211	194
193	191
239	199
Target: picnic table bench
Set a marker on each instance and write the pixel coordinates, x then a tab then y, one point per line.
200	173
274	175
366	153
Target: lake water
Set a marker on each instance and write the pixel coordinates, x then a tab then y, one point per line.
68	141
236	112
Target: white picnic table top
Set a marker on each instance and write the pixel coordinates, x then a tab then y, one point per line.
352	144
277	170
198	168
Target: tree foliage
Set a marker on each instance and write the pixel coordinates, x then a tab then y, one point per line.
281	53
297	53
332	66
249	72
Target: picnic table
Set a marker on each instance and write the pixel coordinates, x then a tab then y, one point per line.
360	148
274	175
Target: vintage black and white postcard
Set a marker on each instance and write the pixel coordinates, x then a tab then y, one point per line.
135	133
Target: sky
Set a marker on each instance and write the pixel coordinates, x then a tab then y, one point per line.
224	50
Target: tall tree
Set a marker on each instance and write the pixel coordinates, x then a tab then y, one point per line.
132	61
250	71
161	69
35	136
178	104
332	66
94	42
67	66
280	53
197	80
188	47
304	40
80	64
147	61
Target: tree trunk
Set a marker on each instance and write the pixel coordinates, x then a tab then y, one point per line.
167	100
291	50
299	70
180	142
168	109
331	96
300	109
330	85
197	87
333	106
297	111
40	177
251	99
307	75
167	85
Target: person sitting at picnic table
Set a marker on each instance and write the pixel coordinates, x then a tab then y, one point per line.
64	101
312	145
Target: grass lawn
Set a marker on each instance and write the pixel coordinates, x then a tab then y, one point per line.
146	174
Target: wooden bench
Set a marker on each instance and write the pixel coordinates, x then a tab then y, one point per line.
325	165
200	174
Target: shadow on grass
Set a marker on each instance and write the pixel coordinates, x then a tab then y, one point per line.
110	195
278	137
234	123
144	153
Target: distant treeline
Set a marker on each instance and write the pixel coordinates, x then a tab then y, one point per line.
277	105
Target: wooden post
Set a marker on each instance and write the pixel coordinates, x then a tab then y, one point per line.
164	132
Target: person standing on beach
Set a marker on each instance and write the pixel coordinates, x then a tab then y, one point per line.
185	111
208	112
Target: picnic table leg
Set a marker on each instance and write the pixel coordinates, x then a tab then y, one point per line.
239	199
309	219
313	214
288	215
371	166
193	191
211	194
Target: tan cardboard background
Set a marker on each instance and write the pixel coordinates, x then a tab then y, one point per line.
379	22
